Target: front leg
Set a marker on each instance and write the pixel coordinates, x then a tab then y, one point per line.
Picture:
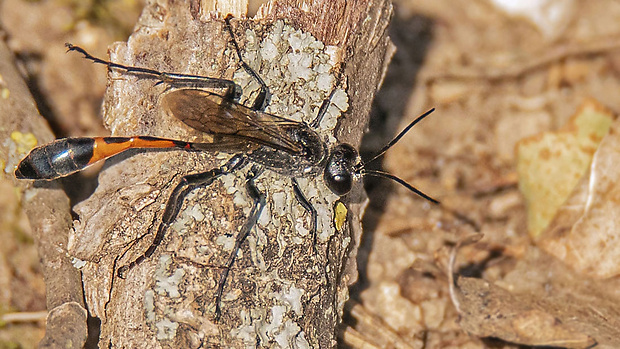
303	201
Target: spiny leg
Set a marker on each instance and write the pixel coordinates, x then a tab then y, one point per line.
172	79
260	102
175	202
303	201
257	208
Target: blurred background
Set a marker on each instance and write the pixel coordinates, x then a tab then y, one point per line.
497	72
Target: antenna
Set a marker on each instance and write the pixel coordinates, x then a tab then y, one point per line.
398	137
361	167
400	181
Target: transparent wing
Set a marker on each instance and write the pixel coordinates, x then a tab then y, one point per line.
213	114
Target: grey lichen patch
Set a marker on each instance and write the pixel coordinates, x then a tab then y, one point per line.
186	221
298	69
78	263
166	329
292	299
167	282
278	327
160	301
292	336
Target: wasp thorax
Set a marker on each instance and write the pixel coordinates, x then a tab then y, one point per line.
340	170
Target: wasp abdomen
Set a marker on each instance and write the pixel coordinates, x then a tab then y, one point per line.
57	159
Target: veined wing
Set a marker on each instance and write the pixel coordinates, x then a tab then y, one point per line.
213	114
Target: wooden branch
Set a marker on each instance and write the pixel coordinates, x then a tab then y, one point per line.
279	290
47	207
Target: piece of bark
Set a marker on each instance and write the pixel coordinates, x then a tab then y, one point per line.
280	292
47	207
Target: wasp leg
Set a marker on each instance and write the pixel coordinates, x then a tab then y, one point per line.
303	201
261	101
175	201
175	80
257	208
323	109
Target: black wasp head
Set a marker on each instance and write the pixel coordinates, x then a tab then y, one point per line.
340	169
343	165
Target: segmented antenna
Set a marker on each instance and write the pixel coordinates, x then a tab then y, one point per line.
397	138
361	167
400	181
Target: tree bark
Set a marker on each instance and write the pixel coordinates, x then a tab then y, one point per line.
281	291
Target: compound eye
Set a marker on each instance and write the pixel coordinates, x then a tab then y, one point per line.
339	172
339	183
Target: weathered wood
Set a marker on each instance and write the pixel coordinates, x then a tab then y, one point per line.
280	291
47	208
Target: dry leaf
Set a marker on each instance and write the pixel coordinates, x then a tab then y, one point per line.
551	164
541	303
490	311
584	234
